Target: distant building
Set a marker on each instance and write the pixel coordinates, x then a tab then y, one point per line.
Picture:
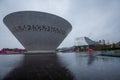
15	50
102	42
118	44
83	43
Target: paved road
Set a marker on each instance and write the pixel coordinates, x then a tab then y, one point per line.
40	67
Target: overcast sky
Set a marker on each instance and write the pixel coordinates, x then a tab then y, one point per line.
97	19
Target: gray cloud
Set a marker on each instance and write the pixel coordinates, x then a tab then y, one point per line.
97	19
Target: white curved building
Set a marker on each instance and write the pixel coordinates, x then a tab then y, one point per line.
84	41
37	31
